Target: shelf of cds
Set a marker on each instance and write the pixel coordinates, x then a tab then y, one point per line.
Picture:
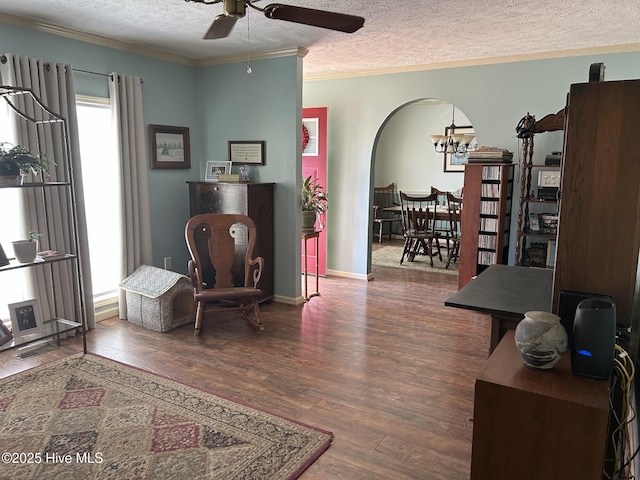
486	217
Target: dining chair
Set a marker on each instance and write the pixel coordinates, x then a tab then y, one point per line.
454	206
418	220
223	272
441	226
384	197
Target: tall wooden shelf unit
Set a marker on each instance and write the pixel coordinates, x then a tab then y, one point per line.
599	230
252	199
57	231
529	204
486	218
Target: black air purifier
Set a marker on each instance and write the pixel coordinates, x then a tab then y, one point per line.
594	338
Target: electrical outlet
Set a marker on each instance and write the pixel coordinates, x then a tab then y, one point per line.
167	263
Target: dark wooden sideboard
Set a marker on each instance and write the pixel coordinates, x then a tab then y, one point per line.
531	424
252	199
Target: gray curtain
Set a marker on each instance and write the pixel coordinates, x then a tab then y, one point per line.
125	92
54	85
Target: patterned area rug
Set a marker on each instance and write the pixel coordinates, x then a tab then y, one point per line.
389	256
87	417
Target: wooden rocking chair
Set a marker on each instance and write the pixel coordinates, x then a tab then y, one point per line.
223	273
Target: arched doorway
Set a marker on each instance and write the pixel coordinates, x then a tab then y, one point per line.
405	156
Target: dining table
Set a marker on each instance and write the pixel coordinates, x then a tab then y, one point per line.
442	215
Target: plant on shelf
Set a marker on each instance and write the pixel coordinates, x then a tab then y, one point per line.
314	201
16	160
25	250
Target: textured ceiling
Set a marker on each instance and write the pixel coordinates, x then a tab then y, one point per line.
400	34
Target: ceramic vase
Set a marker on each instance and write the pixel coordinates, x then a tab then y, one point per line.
25	250
541	339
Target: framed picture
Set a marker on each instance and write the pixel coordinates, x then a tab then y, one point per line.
169	147
455	162
534	223
26	318
5	334
214	169
246	152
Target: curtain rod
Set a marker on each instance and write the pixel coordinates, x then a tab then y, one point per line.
3	59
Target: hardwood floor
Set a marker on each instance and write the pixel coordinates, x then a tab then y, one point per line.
384	365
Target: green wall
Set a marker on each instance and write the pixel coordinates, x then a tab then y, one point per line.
217	103
493	97
221	103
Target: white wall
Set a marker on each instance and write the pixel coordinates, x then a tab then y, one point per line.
405	154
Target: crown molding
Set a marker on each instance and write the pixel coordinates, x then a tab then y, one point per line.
95	39
630	47
146	51
297	51
302	52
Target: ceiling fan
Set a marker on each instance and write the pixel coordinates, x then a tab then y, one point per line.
235	9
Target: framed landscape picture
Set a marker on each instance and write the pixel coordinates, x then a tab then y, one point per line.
169	147
26	318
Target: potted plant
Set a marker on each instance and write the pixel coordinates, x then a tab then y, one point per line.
314	201
16	160
26	250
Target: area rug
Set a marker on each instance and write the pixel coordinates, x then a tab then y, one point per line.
389	256
88	417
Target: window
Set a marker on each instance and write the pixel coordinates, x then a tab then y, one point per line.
101	183
13	282
102	203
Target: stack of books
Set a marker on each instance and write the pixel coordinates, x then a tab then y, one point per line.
486	154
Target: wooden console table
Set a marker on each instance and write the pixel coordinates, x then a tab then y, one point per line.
506	293
537	424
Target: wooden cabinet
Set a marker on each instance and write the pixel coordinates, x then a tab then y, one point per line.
599	229
537	424
486	218
252	199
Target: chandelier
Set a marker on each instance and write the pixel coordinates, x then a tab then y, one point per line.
453	142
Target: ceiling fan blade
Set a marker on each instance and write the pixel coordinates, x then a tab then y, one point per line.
317	18
221	27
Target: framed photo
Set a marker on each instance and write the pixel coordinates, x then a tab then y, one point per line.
455	162
246	152
26	318
5	334
534	223
169	147
215	169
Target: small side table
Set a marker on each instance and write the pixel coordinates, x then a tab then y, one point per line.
305	237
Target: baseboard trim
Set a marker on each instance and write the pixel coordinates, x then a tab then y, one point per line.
355	276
